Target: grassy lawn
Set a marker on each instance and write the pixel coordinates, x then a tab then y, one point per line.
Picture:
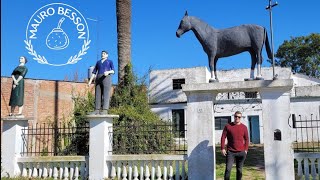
253	168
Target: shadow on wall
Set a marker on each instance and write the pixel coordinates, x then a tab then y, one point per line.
201	157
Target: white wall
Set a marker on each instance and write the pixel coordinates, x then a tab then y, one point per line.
247	109
303	80
303	108
241	74
160	88
165	111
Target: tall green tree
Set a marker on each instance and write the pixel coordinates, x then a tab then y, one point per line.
302	54
123	10
138	130
130	99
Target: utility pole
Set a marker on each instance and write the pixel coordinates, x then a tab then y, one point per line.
269	7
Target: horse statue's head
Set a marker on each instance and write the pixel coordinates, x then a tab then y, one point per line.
184	26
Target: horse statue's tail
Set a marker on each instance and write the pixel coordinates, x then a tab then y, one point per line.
268	49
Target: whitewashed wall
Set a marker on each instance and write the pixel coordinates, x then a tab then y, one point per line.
245	121
304	107
160	88
165	110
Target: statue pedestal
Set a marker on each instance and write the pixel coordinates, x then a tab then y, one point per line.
12	144
100	144
201	126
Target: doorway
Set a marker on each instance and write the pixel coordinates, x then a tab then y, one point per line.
254	129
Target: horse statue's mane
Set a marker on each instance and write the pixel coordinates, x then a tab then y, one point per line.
219	43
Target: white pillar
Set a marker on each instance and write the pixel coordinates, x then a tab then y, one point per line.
12	145
100	143
201	136
278	153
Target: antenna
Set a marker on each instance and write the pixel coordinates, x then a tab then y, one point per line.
97	31
269	7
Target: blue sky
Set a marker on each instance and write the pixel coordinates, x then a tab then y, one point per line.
154	23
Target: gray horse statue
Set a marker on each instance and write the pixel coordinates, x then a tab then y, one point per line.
218	43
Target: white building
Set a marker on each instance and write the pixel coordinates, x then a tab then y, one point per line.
167	99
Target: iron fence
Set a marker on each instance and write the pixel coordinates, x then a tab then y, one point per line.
65	139
307	133
59	139
147	138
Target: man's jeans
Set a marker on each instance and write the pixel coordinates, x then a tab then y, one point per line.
240	157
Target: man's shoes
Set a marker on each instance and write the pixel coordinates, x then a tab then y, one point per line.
96	112
104	112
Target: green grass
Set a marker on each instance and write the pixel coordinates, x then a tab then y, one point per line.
253	168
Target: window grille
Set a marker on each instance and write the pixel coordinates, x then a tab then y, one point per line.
178	122
176	83
221	121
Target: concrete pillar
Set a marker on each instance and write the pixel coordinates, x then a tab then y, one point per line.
100	145
201	136
12	145
278	153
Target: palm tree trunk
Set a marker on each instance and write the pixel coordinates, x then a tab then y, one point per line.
123	10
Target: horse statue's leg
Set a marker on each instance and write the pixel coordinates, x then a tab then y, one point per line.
213	78
259	62
253	64
213	69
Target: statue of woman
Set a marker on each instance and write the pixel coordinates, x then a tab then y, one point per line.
17	91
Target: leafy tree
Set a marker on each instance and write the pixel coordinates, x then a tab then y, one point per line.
302	54
138	129
83	104
130	99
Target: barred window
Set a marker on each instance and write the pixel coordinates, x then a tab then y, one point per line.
250	94
221	121
176	83
178	122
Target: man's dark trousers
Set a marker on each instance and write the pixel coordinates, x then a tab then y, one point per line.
239	157
103	87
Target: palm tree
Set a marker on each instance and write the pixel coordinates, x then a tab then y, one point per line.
123	10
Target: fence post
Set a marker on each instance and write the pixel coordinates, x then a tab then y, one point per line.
201	136
100	144
278	152
12	145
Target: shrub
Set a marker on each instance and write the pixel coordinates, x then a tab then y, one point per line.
138	129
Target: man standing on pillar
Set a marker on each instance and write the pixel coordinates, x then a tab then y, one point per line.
102	72
237	147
